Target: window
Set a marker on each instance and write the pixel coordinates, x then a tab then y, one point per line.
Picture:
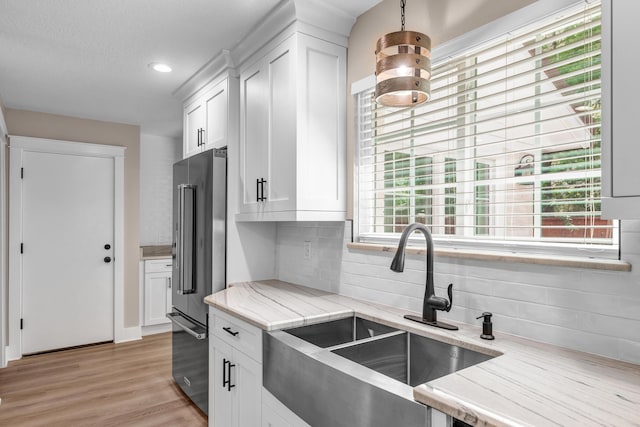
507	152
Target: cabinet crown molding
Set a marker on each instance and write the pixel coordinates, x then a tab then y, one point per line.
312	17
220	64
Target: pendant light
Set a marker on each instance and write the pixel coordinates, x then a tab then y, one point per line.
403	67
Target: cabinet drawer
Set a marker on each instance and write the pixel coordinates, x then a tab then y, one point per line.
237	333
158	266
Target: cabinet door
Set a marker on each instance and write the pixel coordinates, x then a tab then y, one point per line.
194	121
247	375
620	148
271	418
157	298
275	414
253	136
215	104
282	158
321	132
626	149
223	398
237	385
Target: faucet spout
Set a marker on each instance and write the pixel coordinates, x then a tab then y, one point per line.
431	302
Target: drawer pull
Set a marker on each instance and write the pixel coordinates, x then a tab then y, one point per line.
228	330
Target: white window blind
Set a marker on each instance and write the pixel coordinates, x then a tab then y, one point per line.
506	151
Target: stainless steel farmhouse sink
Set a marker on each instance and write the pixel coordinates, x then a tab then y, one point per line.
355	372
411	359
336	332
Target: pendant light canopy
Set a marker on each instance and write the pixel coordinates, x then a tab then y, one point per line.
403	67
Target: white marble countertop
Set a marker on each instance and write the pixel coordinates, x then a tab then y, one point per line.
529	384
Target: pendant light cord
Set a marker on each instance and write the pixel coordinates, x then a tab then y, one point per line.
402	4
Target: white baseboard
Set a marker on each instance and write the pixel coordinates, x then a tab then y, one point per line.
127	334
156	329
12	353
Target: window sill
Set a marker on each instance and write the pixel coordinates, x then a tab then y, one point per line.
565	261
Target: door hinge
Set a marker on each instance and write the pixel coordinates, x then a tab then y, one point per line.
21	324
21	248
21	173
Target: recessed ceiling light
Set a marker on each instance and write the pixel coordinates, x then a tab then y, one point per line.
160	67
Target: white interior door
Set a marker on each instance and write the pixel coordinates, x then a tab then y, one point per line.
67	232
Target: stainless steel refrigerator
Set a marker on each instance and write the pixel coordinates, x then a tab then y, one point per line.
199	211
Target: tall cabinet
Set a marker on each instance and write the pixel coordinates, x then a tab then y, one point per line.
620	145
292	133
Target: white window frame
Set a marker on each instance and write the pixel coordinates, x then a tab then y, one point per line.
497	29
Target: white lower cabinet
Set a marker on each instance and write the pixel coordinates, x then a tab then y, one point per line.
235	372
275	414
237	382
157	291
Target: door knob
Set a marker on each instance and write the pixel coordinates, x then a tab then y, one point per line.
107	259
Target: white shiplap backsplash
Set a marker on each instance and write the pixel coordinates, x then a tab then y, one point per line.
589	310
157	156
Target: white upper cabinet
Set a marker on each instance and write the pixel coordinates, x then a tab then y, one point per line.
292	133
620	110
206	117
193	125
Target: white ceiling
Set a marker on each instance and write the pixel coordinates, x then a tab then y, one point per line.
88	58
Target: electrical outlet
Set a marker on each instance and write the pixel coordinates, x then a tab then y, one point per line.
307	250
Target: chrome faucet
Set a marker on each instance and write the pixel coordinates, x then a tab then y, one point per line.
431	302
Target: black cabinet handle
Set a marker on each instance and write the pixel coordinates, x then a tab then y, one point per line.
200	137
228	330
260	189
226	374
229	385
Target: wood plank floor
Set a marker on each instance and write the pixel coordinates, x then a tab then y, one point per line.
126	384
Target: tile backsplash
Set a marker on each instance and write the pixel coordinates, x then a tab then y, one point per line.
589	310
157	155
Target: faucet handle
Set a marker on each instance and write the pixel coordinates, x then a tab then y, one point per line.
450	293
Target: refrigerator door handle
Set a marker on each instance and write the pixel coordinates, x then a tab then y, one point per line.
186	240
198	332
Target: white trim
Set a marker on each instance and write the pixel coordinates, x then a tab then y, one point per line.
66	147
156	329
213	72
363	84
606	120
509	23
14	345
3	239
141	295
18	145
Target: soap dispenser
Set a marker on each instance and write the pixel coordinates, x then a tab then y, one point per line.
487	326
